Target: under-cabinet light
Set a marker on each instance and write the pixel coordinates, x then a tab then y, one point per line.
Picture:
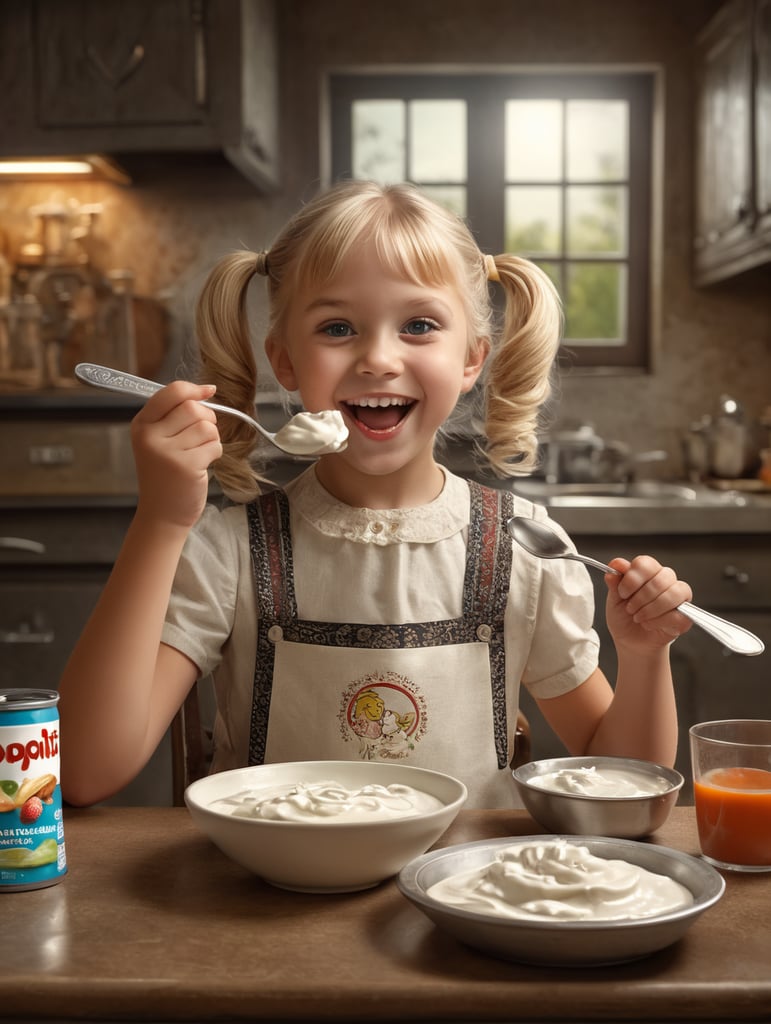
83	167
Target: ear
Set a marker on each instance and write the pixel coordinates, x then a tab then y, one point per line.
475	360
281	363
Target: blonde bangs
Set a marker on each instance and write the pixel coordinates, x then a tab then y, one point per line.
407	243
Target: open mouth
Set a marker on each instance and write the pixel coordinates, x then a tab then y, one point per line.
379	413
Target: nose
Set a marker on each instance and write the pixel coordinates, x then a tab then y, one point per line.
380	355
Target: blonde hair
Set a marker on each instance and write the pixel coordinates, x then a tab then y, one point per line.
421	241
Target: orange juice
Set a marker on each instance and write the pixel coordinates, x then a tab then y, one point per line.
733	814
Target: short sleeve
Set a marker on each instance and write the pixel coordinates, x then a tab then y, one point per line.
201	609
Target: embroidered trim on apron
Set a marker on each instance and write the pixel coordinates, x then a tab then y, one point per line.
485	592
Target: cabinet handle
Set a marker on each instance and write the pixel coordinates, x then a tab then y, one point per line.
24	635
22	544
199	53
135	58
730	572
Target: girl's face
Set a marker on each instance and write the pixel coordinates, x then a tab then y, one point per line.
393	357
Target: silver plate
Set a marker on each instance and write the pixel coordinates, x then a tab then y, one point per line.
563	943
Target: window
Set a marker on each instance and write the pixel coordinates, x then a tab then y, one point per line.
556	167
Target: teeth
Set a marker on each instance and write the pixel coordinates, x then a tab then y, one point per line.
379	403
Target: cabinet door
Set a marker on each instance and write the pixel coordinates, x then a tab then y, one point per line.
724	201
763	115
146	66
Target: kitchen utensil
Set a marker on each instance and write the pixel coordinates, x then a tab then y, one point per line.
307	433
326	853
579	810
540	540
560	942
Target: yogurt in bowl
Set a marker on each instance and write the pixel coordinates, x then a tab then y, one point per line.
325	826
601	796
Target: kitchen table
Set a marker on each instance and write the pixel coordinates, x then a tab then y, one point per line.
153	923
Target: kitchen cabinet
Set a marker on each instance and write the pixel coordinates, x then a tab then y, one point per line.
55	558
150	76
733	142
730	579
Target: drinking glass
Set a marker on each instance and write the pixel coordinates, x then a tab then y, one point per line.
731	763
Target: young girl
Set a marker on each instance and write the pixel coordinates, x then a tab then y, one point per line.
376	608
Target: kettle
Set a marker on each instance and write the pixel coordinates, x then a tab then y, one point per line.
728	440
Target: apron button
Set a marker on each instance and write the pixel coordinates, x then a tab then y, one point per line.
377	527
484	633
275	633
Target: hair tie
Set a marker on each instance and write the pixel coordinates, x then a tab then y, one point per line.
491	269
261	263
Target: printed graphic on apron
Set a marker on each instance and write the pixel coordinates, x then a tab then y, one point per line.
385	713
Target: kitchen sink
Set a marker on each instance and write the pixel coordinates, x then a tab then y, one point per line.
638	493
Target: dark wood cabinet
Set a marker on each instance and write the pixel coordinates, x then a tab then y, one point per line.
152	76
733	142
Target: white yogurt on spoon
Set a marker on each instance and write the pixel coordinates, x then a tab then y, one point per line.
563	882
313	433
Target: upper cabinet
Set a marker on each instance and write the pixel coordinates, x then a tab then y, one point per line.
733	142
156	76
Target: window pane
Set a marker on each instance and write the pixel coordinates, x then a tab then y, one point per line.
596	221
437	140
597	140
377	128
533	140
595	307
451	196
533	220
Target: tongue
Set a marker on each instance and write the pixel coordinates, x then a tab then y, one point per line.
380	418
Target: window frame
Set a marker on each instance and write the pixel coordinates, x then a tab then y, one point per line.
485	92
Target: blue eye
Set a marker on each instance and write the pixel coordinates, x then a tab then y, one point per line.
337	330
419	327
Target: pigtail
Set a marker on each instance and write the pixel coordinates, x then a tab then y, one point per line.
227	360
519	371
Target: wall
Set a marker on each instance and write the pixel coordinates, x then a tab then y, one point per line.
175	221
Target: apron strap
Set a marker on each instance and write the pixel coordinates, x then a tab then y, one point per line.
270	543
486	592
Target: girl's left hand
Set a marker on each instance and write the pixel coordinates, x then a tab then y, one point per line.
641	608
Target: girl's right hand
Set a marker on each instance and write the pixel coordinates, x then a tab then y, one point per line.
175	440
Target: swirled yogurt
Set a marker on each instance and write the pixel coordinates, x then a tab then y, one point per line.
329	800
602	782
314	433
561	881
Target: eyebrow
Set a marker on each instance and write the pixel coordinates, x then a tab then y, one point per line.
418	303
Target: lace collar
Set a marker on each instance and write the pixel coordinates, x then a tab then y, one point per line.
441	518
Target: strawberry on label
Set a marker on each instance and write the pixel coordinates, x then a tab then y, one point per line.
31	810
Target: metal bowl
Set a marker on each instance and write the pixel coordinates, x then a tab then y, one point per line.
562	943
621	817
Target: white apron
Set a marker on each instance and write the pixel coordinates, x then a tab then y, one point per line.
341	691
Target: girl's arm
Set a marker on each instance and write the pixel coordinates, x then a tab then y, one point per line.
638	718
121	686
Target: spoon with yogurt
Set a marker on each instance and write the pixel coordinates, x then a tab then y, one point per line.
540	540
306	433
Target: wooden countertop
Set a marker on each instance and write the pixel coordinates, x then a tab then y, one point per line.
152	922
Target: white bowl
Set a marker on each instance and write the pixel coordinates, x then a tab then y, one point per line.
323	855
623	817
562	943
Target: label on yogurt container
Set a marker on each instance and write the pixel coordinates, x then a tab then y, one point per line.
32	852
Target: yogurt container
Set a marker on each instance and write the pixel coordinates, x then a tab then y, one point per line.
31	824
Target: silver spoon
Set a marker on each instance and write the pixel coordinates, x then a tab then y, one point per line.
542	541
307	433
